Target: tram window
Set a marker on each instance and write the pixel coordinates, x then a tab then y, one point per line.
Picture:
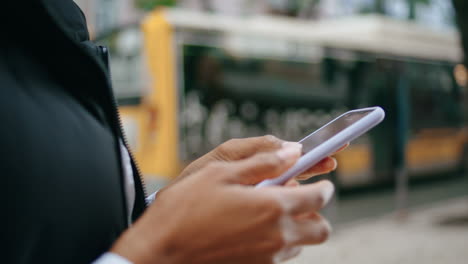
284	83
434	99
230	96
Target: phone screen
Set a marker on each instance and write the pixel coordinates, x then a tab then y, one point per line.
331	129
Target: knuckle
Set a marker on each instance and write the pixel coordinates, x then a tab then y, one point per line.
233	141
226	146
302	202
317	235
323	233
270	161
273	207
215	167
270	139
319	200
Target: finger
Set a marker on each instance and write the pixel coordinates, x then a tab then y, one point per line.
305	198
292	183
237	149
325	166
341	149
287	254
308	215
307	231
264	165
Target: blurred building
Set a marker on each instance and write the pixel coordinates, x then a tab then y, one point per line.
103	15
247	68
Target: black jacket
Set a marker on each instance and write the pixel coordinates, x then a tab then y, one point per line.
60	166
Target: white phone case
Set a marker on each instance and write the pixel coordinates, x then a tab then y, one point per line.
330	146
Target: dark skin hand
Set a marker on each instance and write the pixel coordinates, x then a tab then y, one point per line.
239	149
212	214
216	216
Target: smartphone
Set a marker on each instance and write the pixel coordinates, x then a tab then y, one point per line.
330	138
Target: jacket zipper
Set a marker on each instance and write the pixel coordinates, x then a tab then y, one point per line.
106	55
125	142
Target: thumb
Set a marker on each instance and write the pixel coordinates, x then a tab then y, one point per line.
237	149
265	165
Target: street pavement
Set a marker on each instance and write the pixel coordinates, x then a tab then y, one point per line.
434	233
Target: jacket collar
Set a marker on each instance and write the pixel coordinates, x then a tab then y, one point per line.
69	17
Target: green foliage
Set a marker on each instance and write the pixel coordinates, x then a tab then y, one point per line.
151	4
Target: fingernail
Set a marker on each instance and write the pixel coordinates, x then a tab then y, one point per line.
333	163
290	152
327	192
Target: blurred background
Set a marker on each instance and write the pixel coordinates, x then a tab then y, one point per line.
191	74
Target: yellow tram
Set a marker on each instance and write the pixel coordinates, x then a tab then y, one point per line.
212	77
